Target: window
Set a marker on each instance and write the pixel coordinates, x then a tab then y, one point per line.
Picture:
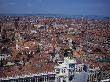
71	65
81	68
64	70
57	71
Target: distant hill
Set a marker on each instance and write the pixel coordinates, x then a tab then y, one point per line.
60	15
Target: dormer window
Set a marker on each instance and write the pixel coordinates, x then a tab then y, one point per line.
60	62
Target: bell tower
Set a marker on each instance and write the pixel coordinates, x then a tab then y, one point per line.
19	41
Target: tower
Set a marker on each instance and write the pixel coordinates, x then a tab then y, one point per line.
16	23
19	40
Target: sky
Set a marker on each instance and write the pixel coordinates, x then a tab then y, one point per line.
67	7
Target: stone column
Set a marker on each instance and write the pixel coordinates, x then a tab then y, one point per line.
67	79
61	79
55	79
46	79
37	79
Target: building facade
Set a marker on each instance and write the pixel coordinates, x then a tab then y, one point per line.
70	70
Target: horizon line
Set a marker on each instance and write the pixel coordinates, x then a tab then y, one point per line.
57	15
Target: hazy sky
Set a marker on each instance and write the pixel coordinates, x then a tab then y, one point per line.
72	7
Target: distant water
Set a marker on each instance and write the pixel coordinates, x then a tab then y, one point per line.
61	15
